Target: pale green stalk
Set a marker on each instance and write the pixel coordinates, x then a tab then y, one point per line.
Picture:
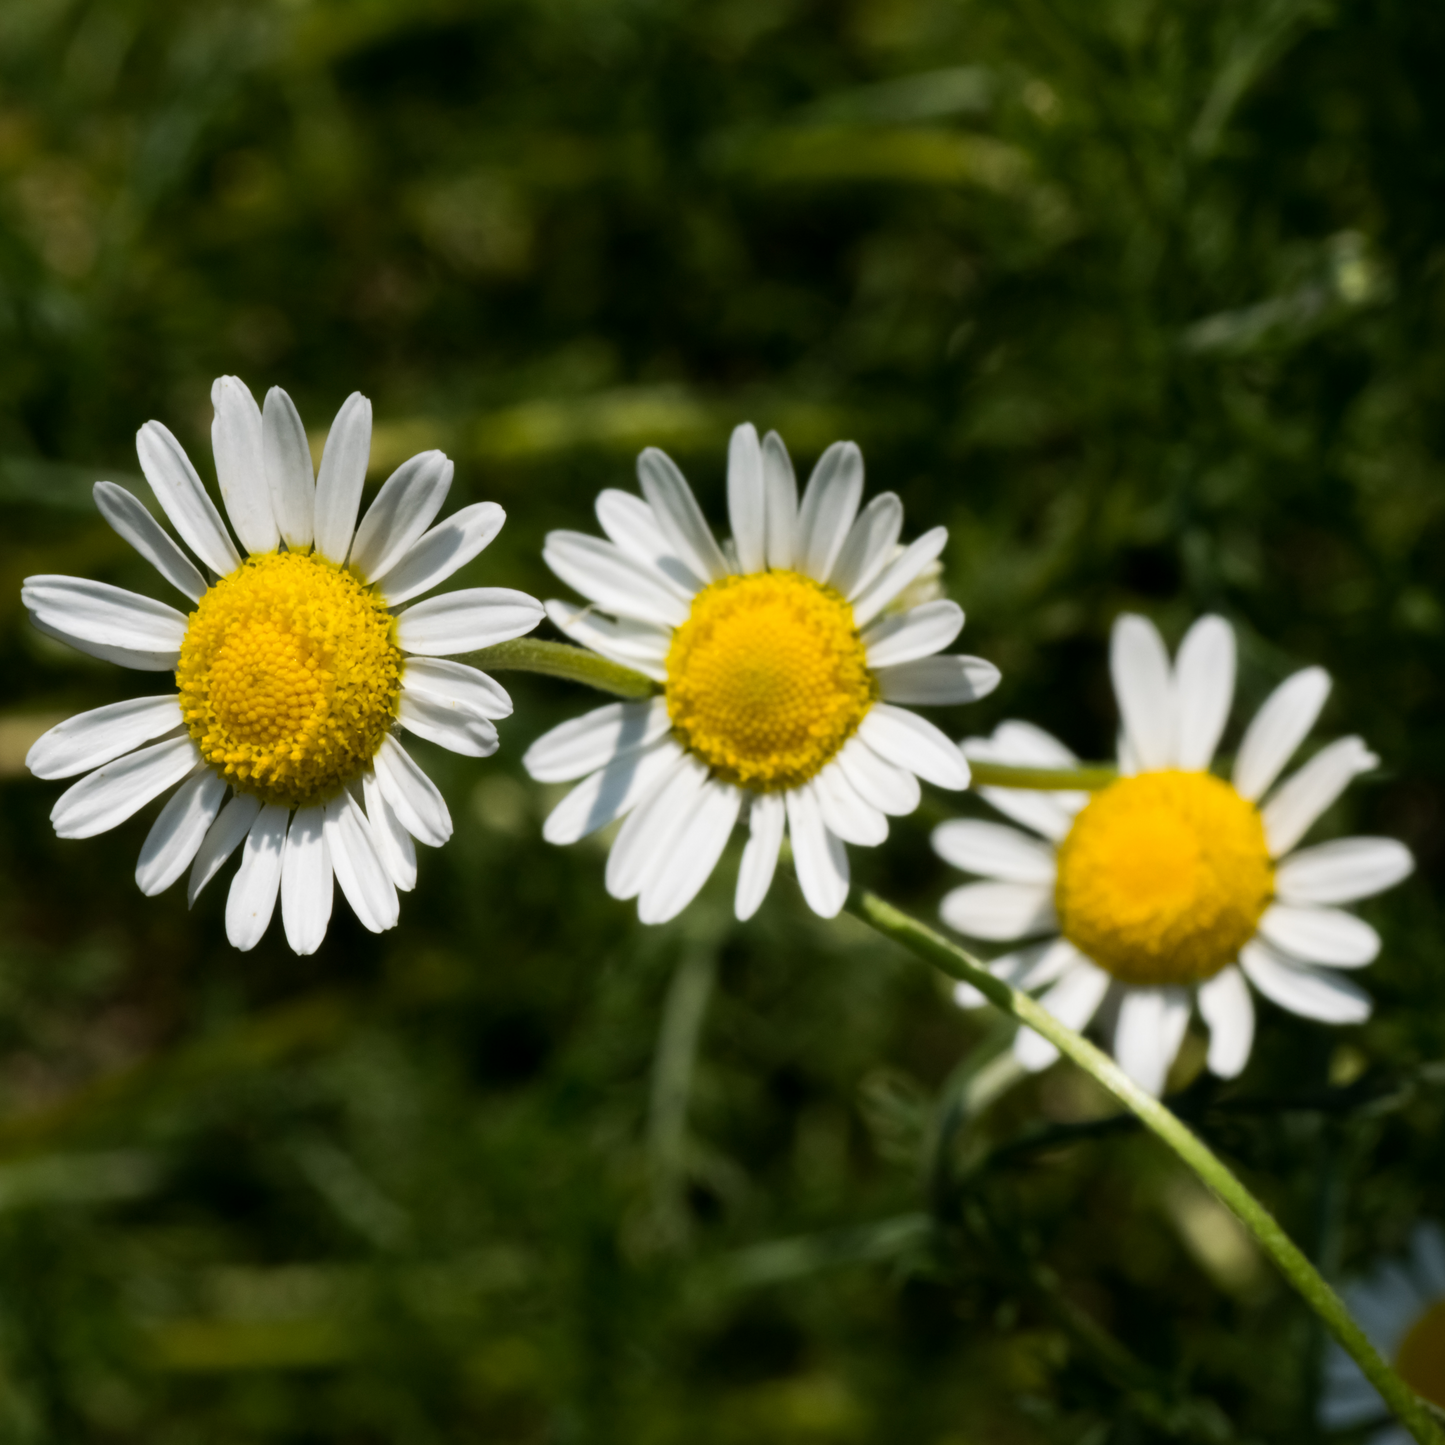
958	963
561	660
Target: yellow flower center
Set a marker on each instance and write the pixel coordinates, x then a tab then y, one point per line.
1163	877
289	677
768	678
1420	1361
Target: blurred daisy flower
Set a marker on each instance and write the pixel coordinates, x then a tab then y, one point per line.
1402	1310
293	668
785	677
1172	887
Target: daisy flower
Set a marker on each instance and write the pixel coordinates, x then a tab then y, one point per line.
1402	1310
1171	886
294	668
783	673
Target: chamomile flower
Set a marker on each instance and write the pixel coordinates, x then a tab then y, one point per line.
1402	1310
784	678
294	669
1171	886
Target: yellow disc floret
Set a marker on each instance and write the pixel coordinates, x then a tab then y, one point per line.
1163	877
768	678
289	677
1421	1357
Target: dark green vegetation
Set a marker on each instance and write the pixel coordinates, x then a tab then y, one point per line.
1143	300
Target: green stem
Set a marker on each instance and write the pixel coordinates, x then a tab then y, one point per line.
1089	778
561	659
958	963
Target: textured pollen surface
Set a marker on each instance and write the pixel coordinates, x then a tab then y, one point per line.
1163	877
289	677
1421	1358
768	678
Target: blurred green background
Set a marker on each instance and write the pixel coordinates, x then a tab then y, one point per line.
1143	299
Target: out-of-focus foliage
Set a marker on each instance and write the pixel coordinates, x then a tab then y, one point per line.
1143	299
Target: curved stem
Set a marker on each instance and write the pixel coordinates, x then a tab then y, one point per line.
561	659
958	963
1088	778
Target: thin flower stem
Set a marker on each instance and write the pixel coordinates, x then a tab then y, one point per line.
958	963
1089	778
560	659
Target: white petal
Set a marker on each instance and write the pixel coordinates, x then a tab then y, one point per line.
1022	745
1320	935
466	620
1145	692
610	792
1428	1250
1311	993
766	818
1346	1405
830	502
581	744
240	467
1342	871
1299	801
252	898
416	799
888	788
1147	1036
1019	744
223	838
342	476
938	681
909	741
845	812
1035	809
870	544
129	519
645	840
107	797
608	577
456	683
363	877
782	502
1041	964
122	656
679	515
306	881
1000	911
897	575
404	508
1278	728
639	645
289	474
994	851
450	725
449	546
1228	1009
98	612
392	840
818	855
177	834
919	632
1073	1000
89	739
633	528
747	498
183	499
1203	691
694	855
1036	966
